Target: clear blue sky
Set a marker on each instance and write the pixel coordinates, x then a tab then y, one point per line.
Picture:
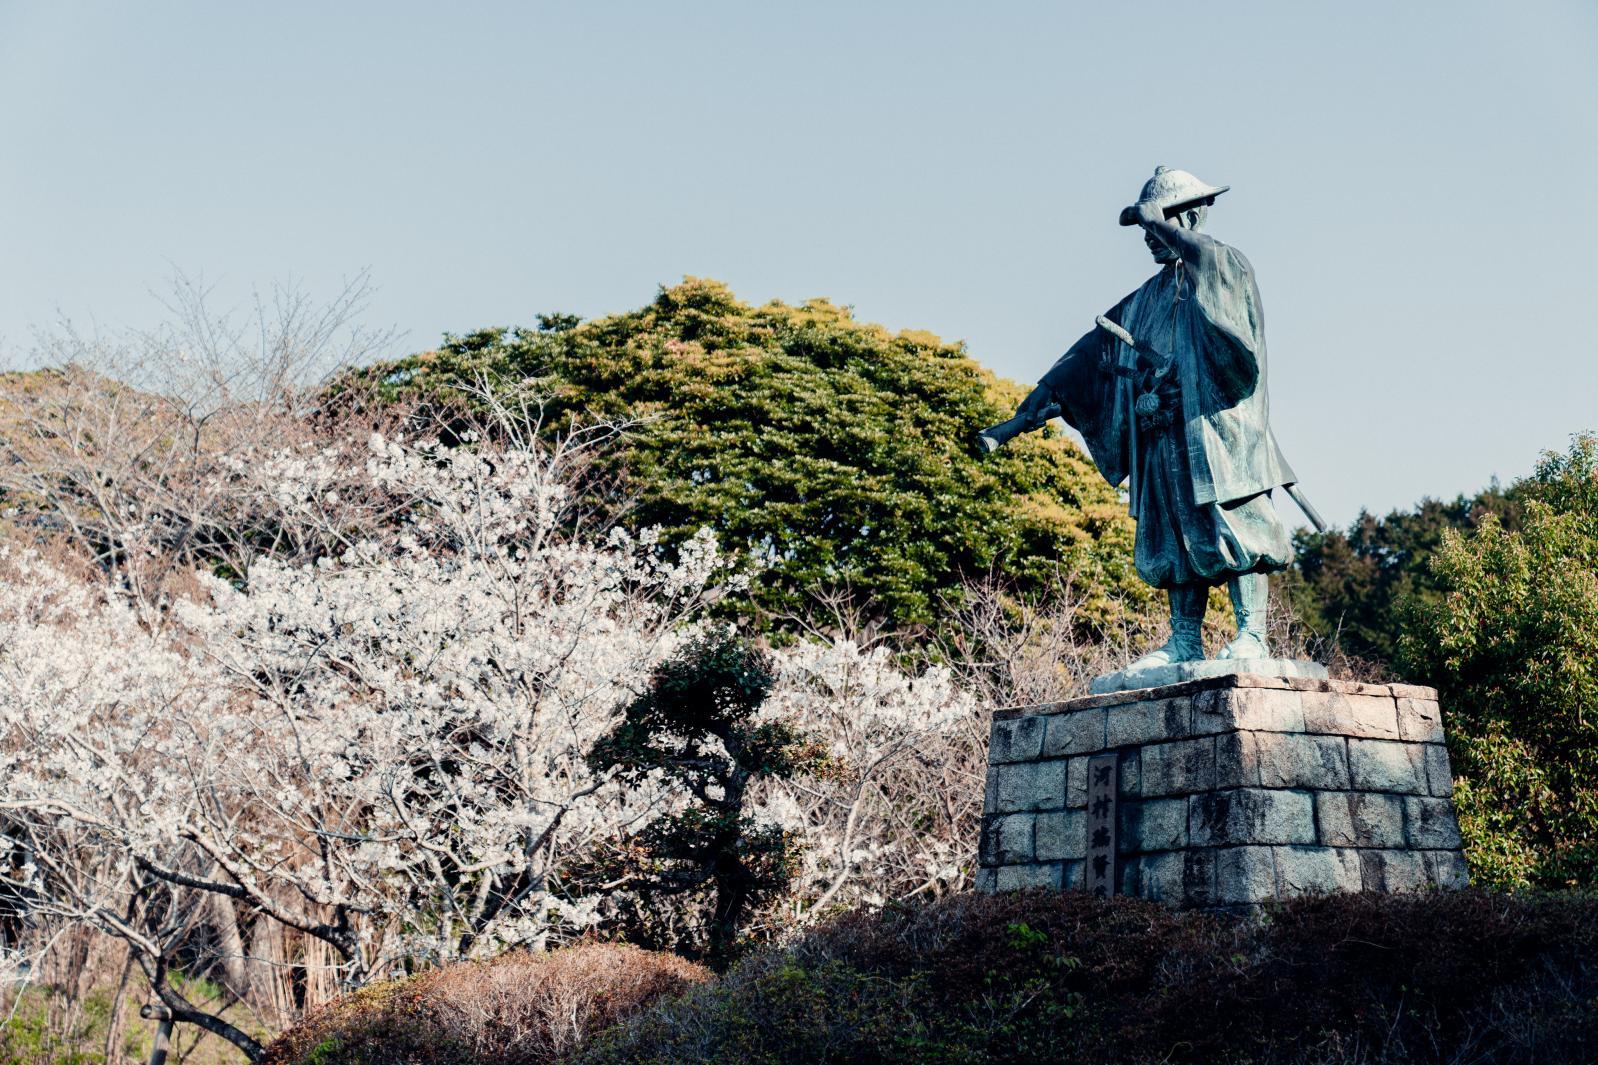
1414	182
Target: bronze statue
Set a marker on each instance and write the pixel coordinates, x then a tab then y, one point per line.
1168	391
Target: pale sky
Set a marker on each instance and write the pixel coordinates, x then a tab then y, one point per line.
1414	182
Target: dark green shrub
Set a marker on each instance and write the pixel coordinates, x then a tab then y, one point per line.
696	727
1061	978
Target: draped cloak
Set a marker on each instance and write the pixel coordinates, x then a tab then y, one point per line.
1200	470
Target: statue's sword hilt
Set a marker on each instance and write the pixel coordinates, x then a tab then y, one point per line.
1159	360
1117	332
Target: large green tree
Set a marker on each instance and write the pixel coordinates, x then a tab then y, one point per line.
834	452
1511	642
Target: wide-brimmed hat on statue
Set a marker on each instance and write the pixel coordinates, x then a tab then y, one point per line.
1173	191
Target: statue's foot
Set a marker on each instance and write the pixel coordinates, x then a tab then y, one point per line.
1247	645
1175	650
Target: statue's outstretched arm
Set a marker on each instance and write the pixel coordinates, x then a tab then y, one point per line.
1038	407
1045	401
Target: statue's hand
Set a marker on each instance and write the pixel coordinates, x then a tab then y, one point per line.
1141	214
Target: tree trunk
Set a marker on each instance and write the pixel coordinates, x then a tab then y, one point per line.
321	971
116	1023
229	945
271	983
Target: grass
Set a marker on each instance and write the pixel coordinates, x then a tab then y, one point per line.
38	1031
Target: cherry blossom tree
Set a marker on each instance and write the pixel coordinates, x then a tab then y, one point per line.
895	816
373	743
382	750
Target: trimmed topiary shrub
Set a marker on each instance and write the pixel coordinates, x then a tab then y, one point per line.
518	1009
698	727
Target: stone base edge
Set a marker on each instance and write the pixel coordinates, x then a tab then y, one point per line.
1180	672
1227	680
1246	876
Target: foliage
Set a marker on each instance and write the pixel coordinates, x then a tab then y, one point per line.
384	750
372	755
1061	978
1512	645
518	1009
697	728
26	1035
836	453
1346	587
894	815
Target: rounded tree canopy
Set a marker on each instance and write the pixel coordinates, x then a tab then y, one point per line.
836	454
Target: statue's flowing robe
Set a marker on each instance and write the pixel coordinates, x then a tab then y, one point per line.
1202	468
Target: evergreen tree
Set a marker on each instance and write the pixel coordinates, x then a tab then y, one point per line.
1349	586
836	453
697	727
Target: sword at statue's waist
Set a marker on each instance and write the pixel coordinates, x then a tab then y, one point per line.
1159	361
1309	511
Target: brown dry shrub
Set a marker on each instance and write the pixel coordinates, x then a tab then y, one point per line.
518	1009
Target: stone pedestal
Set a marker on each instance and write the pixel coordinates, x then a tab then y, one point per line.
1230	791
1177	672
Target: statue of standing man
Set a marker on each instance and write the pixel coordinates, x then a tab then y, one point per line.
1169	394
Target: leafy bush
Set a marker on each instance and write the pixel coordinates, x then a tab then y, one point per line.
1513	648
519	1009
1060	978
837	452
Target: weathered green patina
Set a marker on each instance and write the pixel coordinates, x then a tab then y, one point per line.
1169	394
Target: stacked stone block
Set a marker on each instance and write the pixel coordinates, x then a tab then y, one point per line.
1230	791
